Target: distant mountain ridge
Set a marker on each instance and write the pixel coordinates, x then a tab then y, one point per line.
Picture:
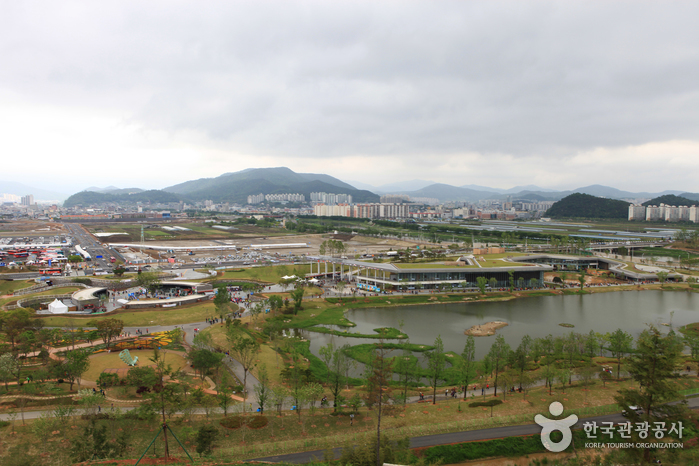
236	187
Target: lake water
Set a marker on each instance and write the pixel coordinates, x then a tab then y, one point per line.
536	317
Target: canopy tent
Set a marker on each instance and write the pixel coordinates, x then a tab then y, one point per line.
57	307
288	277
313	280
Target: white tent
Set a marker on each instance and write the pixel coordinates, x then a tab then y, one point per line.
57	307
313	280
287	277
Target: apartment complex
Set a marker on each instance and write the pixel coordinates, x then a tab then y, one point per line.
363	210
664	213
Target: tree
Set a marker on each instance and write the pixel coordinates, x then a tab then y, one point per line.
662	276
119	271
297	296
585	375
518	358
165	396
493	283
224	391
244	350
511	279
406	368
326	355
436	361
549	373
75	365
619	344
204	361
262	390
481	282
380	373
582	278
206	436
148	280
275	303
222	301
314	391
467	363
108	329
16	322
8	368
653	365
499	354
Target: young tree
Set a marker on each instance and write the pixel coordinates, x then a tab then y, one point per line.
262	390
493	283
662	276
585	375
520	356
511	279
165	396
482	282
549	373
436	362
619	344
8	367
582	278
406	368
467	363
653	365
380	373
326	355
499	354
244	350
224	391
297	296
222	301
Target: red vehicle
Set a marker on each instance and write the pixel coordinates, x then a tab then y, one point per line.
18	252
51	271
112	259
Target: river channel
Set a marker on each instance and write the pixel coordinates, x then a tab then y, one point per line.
535	316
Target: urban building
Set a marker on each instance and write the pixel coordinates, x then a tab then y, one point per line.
27	200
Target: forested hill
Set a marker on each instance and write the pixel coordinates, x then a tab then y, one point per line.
86	198
585	206
671	199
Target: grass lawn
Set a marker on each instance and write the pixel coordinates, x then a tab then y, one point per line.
270	274
171	316
10	286
157	233
52	291
102	361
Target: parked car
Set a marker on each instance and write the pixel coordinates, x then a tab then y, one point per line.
639	411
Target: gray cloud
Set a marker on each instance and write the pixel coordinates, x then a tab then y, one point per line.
319	79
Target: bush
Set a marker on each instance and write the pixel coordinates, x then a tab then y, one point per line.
232	422
4	424
258	422
487	404
84	281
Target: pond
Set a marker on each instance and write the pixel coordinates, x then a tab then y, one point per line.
536	317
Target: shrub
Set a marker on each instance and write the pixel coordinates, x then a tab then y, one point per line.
232	422
205	439
4	423
488	403
258	422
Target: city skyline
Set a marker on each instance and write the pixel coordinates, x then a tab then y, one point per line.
497	94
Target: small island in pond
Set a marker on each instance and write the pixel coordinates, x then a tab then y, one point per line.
485	330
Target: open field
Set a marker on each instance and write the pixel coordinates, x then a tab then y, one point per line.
171	316
101	361
10	286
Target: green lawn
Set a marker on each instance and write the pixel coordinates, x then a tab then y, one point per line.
270	274
172	316
10	286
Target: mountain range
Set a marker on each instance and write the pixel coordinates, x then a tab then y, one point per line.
236	186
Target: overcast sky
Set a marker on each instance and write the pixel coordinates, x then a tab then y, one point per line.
148	94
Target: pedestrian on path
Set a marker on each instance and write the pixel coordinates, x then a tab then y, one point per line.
351	419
